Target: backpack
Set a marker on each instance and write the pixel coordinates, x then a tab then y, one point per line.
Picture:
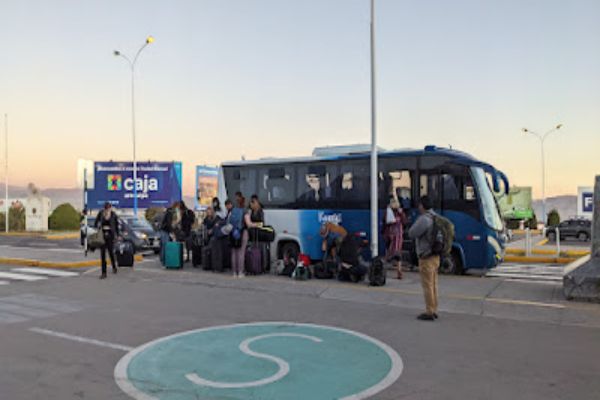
301	273
236	220
325	270
377	276
442	235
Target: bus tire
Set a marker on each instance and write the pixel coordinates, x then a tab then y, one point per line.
288	251
452	265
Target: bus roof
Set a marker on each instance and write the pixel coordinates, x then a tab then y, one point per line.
427	150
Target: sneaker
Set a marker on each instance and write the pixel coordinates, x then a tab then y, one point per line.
103	276
426	317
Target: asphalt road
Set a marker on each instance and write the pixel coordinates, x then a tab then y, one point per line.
460	356
39	242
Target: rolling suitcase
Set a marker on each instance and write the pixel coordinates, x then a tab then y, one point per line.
174	255
216	254
254	264
125	254
196	255
206	258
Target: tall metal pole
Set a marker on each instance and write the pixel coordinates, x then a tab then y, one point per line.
6	216
131	63
544	215
374	169
135	196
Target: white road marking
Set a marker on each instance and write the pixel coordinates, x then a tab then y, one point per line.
284	367
21	277
43	302
46	271
4	282
81	339
66	250
26	311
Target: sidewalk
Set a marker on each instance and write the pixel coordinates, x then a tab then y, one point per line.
49	258
487	297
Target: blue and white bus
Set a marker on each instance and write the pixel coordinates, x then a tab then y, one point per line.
300	194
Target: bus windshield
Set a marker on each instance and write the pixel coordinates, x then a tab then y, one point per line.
488	203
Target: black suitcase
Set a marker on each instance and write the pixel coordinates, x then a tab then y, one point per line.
217	250
196	255
207	258
124	253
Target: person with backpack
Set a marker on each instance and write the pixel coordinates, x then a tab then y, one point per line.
107	222
423	232
393	233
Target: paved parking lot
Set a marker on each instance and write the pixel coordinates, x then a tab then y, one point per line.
496	338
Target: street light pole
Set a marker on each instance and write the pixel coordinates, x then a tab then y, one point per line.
374	169
6	209
132	64
542	139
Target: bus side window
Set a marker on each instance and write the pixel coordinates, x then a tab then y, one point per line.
354	185
429	185
277	186
459	191
315	185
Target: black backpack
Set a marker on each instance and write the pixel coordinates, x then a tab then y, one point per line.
377	275
325	270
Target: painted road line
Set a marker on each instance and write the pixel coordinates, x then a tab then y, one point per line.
26	311
4	282
81	339
287	360
43	302
21	277
8	318
48	272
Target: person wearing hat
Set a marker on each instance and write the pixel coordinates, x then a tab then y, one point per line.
394	234
106	220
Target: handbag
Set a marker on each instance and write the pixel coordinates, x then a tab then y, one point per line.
96	239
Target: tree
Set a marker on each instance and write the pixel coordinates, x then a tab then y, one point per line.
153	215
64	217
16	219
553	218
533	222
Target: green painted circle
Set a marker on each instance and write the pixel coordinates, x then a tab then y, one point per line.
270	360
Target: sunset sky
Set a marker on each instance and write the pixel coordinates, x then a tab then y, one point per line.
278	77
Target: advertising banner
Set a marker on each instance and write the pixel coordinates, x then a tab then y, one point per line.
585	202
517	204
158	184
207	185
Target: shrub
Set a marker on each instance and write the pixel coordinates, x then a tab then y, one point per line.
553	218
16	219
64	217
533	222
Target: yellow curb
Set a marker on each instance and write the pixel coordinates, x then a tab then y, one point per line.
51	264
542	242
523	231
538	260
62	237
550	252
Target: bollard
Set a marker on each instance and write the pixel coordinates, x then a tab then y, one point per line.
557	231
527	242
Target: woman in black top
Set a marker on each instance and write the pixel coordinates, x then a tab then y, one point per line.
108	223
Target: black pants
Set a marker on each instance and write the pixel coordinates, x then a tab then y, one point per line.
108	246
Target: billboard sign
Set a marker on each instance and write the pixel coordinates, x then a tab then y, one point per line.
585	202
517	204
207	185
158	184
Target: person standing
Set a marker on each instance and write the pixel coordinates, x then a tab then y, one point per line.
238	248
188	219
394	234
106	220
422	232
166	229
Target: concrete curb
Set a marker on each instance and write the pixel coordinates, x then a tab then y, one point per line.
44	235
52	264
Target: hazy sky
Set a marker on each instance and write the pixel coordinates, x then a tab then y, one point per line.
279	77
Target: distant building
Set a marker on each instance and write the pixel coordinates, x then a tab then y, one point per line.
37	211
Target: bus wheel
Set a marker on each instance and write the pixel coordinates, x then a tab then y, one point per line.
290	252
451	265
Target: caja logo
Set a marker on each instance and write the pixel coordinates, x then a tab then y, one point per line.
114	182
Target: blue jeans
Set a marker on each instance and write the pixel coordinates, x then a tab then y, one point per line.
164	238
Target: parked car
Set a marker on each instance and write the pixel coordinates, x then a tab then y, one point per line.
580	229
137	231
